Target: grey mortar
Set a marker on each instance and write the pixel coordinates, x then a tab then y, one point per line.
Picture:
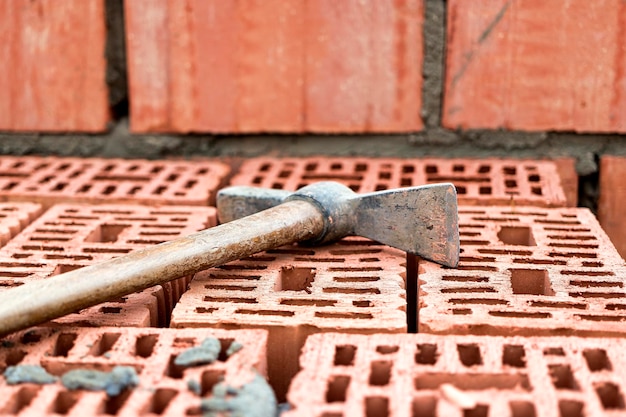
35	374
114	382
207	352
254	399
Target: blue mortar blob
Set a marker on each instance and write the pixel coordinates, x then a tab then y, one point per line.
206	353
35	374
234	347
114	382
254	399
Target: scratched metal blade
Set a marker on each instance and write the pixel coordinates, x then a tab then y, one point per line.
419	220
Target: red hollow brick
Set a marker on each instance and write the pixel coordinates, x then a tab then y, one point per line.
527	271
53	66
355	285
163	386
612	195
52	180
70	236
14	217
478	182
458	376
509	66
276	65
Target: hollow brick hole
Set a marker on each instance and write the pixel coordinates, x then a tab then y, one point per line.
530	281
337	388
209	379
376	407
516	235
380	373
480	410
106	233
609	395
571	408
344	355
295	279
113	405
424	407
522	409
144	345
64	343
514	355
64	402
562	377
161	399
469	354
426	354
597	360
20	400
104	344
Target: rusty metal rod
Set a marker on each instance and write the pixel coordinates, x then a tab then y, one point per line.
40	301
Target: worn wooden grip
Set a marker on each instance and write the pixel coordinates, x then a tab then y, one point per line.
39	301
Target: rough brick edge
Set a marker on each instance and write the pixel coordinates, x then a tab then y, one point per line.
611	200
163	388
403	375
16	216
52	180
478	181
530	271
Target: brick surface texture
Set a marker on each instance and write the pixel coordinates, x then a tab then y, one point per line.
527	271
459	376
16	216
611	212
163	385
70	236
478	182
277	65
53	180
355	286
509	66
53	66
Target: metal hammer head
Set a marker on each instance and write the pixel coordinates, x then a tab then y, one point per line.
419	220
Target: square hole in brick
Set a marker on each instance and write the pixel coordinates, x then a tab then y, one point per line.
610	395
293	278
597	360
514	355
469	354
516	235
144	345
106	233
376	407
424	407
480	410
562	377
530	281
522	409
380	373
337	388
426	354
570	408
344	355
161	399
20	400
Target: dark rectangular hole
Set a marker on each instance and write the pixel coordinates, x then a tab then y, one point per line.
104	344
562	377
144	345
522	409
597	360
480	410
469	354
380	373
64	402
610	395
424	407
531	281
570	408
64	343
344	355
514	355
376	407
337	388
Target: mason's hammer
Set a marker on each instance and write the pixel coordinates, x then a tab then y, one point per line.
421	221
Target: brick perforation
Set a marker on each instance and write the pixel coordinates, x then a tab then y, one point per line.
527	271
404	375
514	182
94	180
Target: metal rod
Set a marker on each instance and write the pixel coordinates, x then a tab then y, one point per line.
412	293
39	301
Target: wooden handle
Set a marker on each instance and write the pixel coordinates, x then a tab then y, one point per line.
39	301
